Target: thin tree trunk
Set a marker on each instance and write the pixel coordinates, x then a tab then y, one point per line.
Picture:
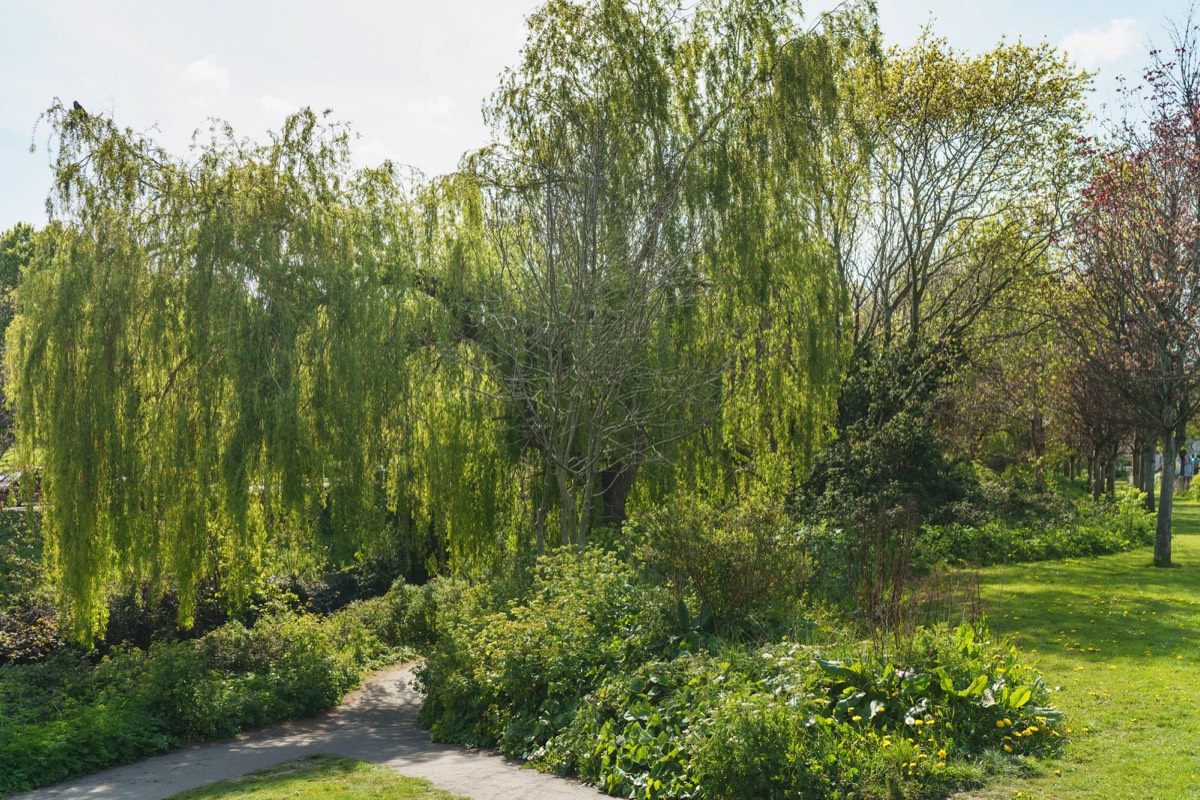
539	522
1112	473
585	511
1162	532
1148	470
1038	438
569	523
1136	470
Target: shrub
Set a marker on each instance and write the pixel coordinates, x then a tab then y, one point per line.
1093	531
511	678
746	563
589	675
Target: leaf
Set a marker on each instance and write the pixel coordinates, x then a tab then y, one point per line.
975	688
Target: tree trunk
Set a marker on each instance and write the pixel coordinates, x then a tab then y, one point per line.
1148	469
1111	476
539	522
569	514
1162	532
1038	439
1136	469
616	483
1097	474
585	511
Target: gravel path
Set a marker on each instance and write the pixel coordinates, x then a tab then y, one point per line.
377	722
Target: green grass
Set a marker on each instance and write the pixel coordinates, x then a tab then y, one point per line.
321	778
1120	637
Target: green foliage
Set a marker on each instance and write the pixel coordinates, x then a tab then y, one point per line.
744	564
66	717
886	455
584	675
1091	530
511	677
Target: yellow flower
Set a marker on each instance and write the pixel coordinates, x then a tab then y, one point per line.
856	718
941	753
1008	748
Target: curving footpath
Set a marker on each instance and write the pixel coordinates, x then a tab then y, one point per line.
377	722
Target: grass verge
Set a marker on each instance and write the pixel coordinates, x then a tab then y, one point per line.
1120	639
321	777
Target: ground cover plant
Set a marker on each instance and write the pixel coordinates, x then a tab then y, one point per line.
321	778
597	672
69	716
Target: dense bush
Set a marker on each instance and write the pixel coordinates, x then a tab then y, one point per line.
745	564
67	717
593	675
885	453
512	677
1040	526
1092	530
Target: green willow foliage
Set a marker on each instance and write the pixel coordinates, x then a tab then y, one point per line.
214	348
211	350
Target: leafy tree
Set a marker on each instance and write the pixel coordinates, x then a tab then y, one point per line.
200	355
973	169
1137	318
655	275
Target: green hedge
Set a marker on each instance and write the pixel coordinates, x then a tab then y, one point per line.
1094	531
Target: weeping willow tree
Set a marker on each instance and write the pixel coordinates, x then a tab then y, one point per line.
208	354
660	291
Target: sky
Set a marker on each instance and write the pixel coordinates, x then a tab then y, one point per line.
409	75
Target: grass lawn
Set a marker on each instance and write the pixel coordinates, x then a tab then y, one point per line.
1121	639
321	778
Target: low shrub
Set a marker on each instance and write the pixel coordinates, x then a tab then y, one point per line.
510	678
593	674
1094	530
745	564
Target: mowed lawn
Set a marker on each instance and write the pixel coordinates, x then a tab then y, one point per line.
1122	640
321	777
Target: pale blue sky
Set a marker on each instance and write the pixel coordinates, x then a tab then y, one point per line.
410	76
